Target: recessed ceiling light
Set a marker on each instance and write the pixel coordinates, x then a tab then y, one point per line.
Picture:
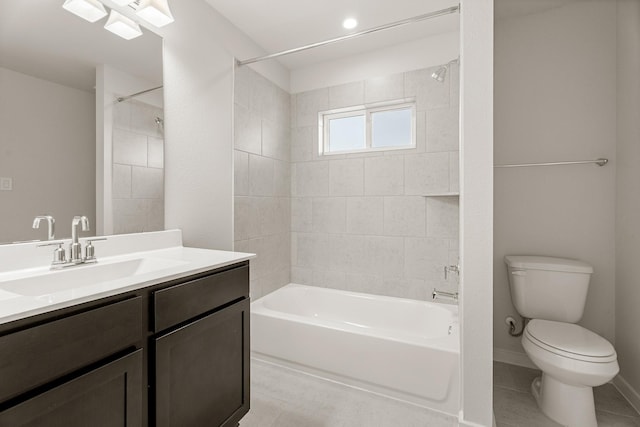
350	23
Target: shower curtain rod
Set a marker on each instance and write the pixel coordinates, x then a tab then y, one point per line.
133	95
599	162
418	18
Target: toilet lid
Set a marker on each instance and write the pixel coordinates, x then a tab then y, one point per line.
570	340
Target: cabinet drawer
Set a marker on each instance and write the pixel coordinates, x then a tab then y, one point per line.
185	301
35	356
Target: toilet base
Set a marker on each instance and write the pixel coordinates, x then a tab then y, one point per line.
569	405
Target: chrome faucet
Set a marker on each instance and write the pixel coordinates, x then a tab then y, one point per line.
436	294
51	234
75	249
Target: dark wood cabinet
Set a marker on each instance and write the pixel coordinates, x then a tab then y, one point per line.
202	371
172	354
107	396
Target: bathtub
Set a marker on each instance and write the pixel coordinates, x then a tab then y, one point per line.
400	348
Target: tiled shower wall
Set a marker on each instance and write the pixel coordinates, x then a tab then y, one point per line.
138	168
366	222
262	218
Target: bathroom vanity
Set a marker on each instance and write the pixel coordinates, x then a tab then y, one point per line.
161	346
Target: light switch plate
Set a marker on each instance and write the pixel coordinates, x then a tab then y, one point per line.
6	184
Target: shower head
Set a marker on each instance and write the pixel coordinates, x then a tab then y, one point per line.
441	73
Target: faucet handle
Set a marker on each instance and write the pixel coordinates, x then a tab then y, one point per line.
59	255
89	249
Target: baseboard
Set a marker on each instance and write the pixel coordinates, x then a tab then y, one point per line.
512	358
632	395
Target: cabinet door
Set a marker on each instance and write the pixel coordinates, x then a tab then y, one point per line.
108	396
202	371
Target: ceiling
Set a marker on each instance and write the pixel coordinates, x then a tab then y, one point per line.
41	39
277	25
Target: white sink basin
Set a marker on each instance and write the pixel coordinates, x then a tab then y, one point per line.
85	275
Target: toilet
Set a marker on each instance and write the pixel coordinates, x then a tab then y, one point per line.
552	293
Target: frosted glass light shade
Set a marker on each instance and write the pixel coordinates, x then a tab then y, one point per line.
91	10
122	2
122	26
155	12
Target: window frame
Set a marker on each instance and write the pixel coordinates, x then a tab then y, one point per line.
364	110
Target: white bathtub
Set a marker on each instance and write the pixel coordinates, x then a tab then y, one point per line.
401	348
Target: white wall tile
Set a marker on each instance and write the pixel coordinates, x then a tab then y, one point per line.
386	88
329	215
147	183
261	175
311	179
329	279
155	215
429	93
388	255
442	130
346	95
242	86
281	178
262	96
312	250
427	173
155	152
384	176
308	104
302	276
442	217
454	171
302	144
122	115
425	258
404	216
121	181
129	148
273	215
240	173
365	215
246	220
143	119
407	288
346	177
301	214
247	127
275	140
130	207
349	254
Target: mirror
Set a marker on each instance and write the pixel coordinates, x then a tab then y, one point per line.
60	77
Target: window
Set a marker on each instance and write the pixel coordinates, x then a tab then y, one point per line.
387	126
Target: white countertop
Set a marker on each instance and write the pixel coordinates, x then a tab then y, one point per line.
162	250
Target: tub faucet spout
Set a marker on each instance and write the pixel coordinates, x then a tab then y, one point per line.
436	294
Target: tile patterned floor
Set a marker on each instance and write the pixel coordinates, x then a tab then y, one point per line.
281	397
514	405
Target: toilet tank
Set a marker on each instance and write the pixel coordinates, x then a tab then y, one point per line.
548	288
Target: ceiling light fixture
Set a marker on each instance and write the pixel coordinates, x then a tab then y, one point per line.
91	10
122	26
350	23
156	12
122	2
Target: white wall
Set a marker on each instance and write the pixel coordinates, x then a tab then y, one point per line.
555	99
476	214
47	135
628	198
198	59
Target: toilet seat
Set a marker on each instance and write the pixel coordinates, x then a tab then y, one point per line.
570	340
